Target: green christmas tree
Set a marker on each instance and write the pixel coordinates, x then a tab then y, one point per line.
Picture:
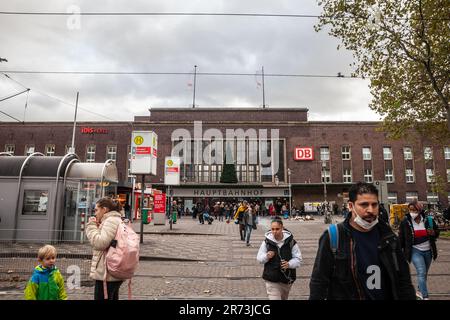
229	174
229	169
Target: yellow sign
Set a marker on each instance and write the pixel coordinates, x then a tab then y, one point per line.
154	141
169	163
138	140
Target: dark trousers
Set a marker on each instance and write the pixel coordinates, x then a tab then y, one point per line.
112	288
242	231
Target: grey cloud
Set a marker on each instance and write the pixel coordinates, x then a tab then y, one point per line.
176	44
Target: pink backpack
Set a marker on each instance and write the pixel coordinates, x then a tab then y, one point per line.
122	260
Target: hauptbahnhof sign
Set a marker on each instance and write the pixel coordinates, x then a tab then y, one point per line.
230	192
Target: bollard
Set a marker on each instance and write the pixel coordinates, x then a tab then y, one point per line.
83	215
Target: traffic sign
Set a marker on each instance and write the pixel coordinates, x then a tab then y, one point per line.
144	146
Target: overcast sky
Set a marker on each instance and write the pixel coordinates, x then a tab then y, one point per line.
172	44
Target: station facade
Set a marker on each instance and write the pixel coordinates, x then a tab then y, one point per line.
276	152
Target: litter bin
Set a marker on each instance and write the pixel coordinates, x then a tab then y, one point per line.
146	216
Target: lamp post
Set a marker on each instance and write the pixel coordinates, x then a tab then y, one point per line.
324	166
290	190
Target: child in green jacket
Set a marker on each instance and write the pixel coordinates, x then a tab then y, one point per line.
46	283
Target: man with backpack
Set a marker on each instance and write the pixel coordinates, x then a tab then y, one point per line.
361	258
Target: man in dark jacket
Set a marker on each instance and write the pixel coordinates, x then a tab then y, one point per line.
369	263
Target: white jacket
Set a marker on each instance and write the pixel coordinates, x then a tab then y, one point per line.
296	259
100	239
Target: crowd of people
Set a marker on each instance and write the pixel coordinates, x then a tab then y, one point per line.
360	258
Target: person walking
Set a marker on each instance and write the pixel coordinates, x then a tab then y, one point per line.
281	255
239	217
360	259
101	231
418	234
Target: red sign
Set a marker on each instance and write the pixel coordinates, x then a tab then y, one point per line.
155	153
159	203
173	169
143	150
89	130
304	153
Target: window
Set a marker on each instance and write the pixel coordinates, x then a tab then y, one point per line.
35	202
346	153
90	153
367	153
50	150
430	175
389	175
387	153
409	173
410	196
407	153
392	197
432	198
10	148
326	176
324	153
29	149
368	176
214	173
347	176
447	153
448	175
111	153
428	153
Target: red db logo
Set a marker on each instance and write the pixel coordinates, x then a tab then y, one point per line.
304	153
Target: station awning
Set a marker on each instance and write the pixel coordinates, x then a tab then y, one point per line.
93	172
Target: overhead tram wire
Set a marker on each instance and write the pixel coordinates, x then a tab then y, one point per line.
261	15
59	100
225	74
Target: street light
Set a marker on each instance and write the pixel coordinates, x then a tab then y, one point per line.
277	181
324	166
290	190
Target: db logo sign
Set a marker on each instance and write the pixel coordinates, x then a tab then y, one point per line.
304	153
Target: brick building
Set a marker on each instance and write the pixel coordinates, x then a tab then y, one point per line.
276	150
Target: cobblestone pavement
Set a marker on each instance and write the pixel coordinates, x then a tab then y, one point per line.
195	261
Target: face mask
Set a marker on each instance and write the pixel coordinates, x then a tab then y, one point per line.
414	215
364	224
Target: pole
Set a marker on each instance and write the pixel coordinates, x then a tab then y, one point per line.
133	181
142	208
263	90
290	191
195	79
72	147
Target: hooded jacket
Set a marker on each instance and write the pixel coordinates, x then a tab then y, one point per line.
285	249
336	277
100	239
45	284
406	235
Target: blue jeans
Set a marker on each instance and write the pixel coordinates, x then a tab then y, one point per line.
422	262
248	232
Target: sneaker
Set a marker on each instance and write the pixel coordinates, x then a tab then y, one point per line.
248	245
426	298
419	295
